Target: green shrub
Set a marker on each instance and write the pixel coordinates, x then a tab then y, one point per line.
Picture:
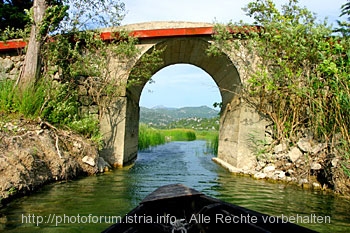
86	126
297	89
54	102
191	135
62	109
62	105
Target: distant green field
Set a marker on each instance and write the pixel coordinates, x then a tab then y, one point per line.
149	137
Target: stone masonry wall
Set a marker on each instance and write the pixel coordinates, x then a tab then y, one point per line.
10	68
10	65
87	104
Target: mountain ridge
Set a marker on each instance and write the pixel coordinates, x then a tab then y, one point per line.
162	116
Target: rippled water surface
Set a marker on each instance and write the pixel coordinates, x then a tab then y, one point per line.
117	192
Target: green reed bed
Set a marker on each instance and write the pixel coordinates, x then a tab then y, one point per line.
149	136
180	134
212	138
206	134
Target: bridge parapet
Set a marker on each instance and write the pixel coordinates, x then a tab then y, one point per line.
165	25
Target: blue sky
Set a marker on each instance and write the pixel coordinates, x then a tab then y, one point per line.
180	85
187	85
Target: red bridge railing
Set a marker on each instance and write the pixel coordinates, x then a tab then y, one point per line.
144	34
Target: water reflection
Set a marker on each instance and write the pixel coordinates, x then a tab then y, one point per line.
117	192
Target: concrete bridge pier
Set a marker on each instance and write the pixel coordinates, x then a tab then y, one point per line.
119	125
240	128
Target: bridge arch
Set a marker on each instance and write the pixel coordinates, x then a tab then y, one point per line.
237	120
193	51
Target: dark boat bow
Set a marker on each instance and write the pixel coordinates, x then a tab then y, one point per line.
177	208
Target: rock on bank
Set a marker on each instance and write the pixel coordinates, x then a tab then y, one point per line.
35	153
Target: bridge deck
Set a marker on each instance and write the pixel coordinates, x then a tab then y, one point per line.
145	34
141	34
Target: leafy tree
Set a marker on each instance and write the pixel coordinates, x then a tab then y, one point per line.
344	27
68	17
301	81
12	13
346	10
66	46
45	15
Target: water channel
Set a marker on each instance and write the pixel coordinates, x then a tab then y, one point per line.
117	192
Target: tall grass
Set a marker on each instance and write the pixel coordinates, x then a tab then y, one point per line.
212	138
180	134
57	104
27	102
149	136
206	134
213	144
6	95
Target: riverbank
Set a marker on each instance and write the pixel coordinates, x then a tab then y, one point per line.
34	153
308	164
116	193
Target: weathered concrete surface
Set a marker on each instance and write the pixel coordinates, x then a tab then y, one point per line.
238	122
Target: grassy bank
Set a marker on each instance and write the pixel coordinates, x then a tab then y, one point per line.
149	137
55	103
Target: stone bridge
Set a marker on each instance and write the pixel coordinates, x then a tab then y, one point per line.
183	43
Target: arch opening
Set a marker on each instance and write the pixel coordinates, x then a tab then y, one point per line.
179	96
180	85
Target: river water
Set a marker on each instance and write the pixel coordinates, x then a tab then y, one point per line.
59	207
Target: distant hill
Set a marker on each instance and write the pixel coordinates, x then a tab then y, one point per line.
161	116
